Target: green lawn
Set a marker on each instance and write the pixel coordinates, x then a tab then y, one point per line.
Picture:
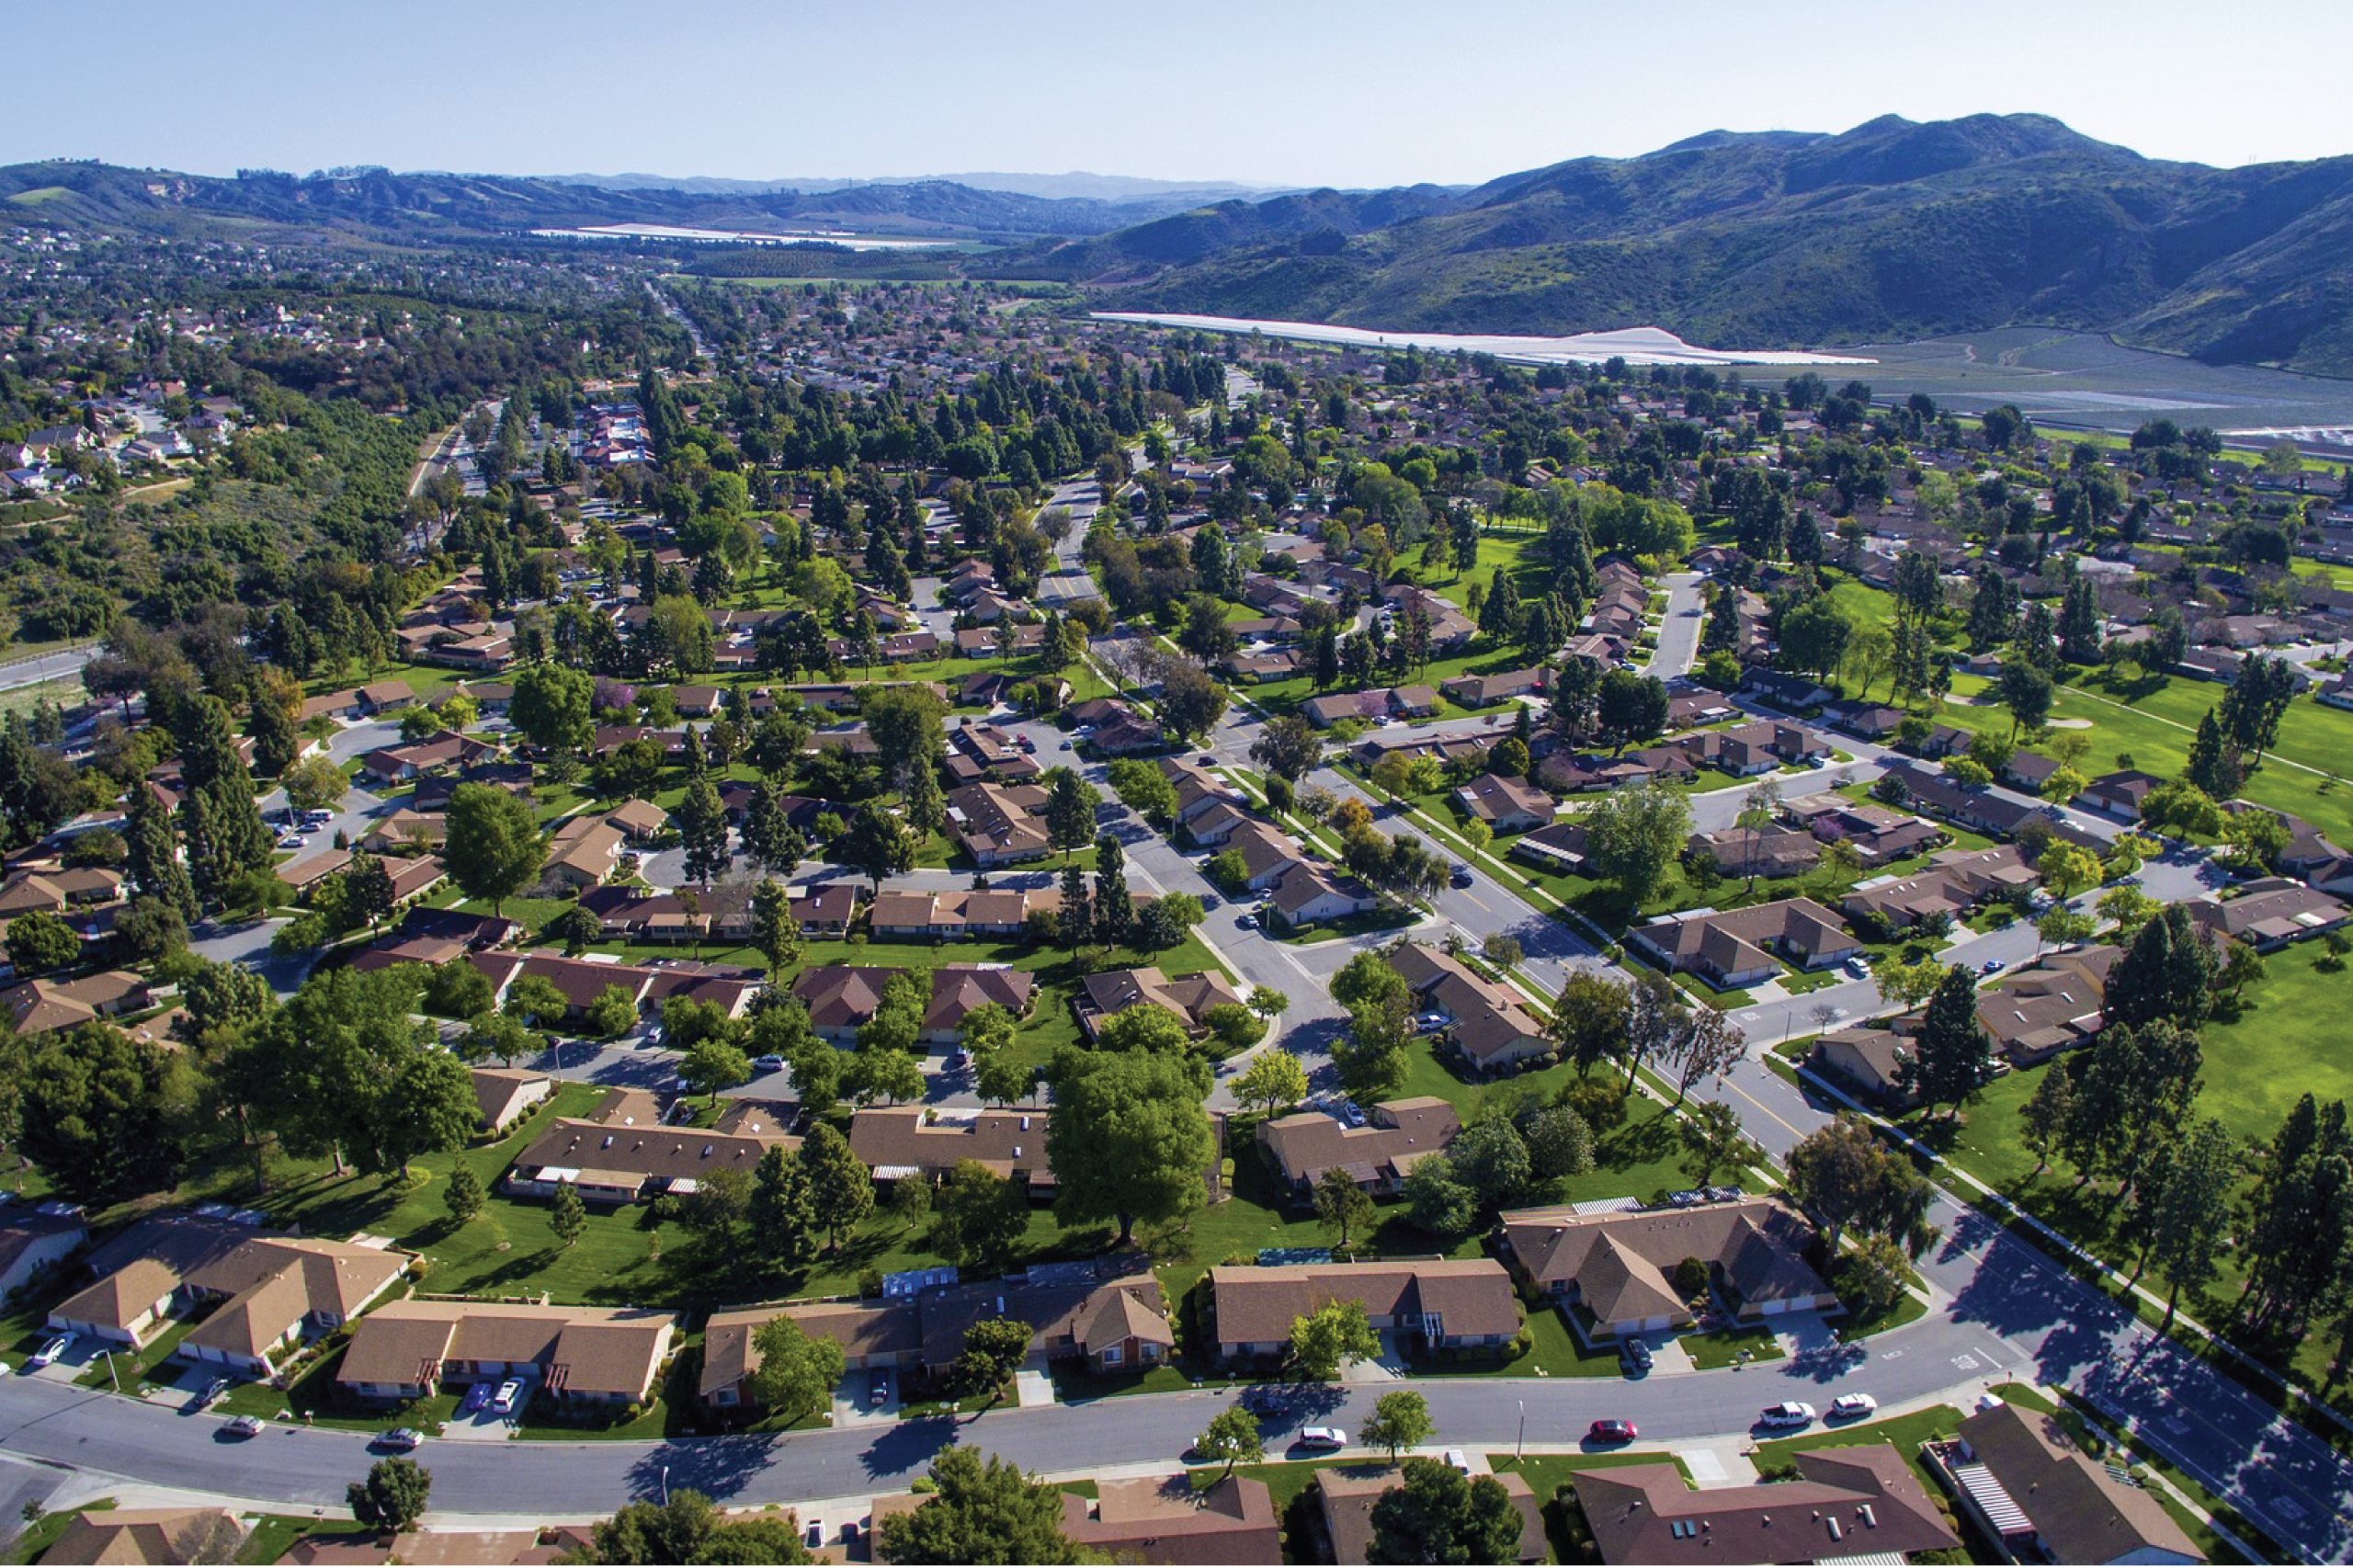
274	1534
1727	1346
1906	1431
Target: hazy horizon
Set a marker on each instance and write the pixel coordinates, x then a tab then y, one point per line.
1367	93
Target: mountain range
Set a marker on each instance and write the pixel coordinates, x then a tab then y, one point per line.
1888	231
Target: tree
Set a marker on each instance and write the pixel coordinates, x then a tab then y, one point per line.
1707	1047
1439	1515
2190	1211
1371	1058
614	1012
1129	1138
2060	926
1162	925
551	706
465	1195
2166	973
1342	1207
1069	811
1190	702
1953	1057
886	1074
1273	1079
568	1218
774	930
152	859
1713	1141
314	783
1232	1435
702	829
978	1217
493	849
38	941
1333	1335
1657	1015
2028	693
2067	869
1845	1179
797	1371
979	1511
879	844
1632	707
1114	909
686	1529
2047	1112
993	1348
1400	1419
1559	1142
713	1063
1589	1020
393	1496
1632	837
1288	747
841	1191
103	1115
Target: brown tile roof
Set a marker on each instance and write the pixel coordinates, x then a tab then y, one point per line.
842	996
662	1157
1255	1305
1059	1302
149	1535
1847	1502
1154	1519
1619	1262
2081	1513
1397	1135
585	1350
1189	997
896	1140
890	1330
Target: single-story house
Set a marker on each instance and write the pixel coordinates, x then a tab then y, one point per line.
593	1354
1440	1303
1303	1147
1617	1266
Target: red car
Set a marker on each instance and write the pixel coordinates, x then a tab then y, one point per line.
1611	1432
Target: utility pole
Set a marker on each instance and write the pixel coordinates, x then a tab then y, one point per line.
1522	1442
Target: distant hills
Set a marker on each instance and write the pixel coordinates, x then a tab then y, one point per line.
376	205
1887	231
1891	231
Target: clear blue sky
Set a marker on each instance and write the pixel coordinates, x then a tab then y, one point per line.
1289	92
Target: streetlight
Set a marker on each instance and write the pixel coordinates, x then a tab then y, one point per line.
666	1486
1522	1441
111	1373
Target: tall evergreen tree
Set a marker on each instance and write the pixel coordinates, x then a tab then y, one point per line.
1114	911
153	865
1953	1057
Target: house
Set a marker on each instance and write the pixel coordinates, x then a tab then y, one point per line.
1870	1060
1169	1519
1505	805
1560	847
1955	882
870	1335
960	915
1485	1021
840	998
267	1292
1877	834
999	825
633	1157
38	1006
1333	707
35	1238
2028	771
591	1355
640	821
924	1144
1109	1310
1459	1304
2020	1478
824	909
1762	852
1190	998
149	1535
1746	750
1777	688
1397	1135
982	751
1617	1266
1481	691
688	914
583	852
1308	895
2118	794
2269	913
1858	1502
506	1095
1267	856
58	890
1735	948
1345	1496
2033	1014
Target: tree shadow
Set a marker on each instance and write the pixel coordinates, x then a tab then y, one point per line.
907	1446
719	1468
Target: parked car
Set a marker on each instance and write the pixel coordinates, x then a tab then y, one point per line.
1860	966
878	1386
212	1394
1456	1460
476	1397
48	1353
1991	966
402	1438
1210	901
1638	1353
1849	1406
243	1427
1790	1413
955	1061
502	1402
1610	1432
1460	877
1246	922
815	1534
1322	1437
